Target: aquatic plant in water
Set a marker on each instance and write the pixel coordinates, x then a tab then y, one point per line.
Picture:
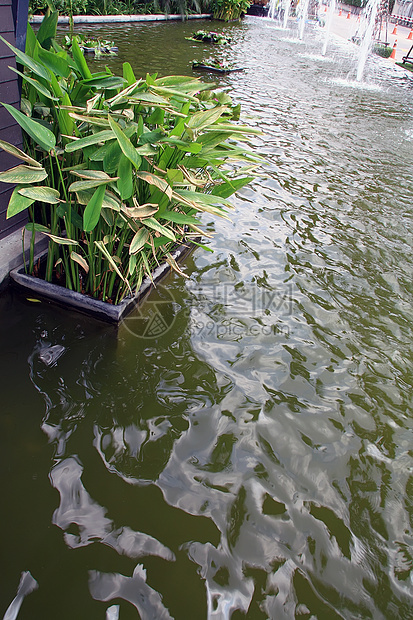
216	65
205	36
97	47
117	170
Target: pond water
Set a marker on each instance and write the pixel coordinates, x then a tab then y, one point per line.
249	454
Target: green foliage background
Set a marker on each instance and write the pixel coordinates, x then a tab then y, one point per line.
120	7
221	9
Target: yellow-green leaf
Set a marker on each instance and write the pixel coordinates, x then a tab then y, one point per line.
23	174
205	118
18	203
94	138
13	150
141	212
44	137
61	240
41	194
80	260
150	222
152	179
139	240
92	174
125	144
81	185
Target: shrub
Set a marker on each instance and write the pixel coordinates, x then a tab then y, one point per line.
230	9
117	170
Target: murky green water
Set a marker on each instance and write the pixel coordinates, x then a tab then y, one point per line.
255	459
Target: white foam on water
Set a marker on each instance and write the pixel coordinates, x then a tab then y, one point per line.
357	85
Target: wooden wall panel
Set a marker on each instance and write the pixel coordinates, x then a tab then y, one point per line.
9	129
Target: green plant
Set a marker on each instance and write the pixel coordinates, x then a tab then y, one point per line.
118	7
116	170
382	50
99	47
206	36
230	9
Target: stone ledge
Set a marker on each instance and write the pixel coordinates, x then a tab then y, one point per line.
112	19
11	253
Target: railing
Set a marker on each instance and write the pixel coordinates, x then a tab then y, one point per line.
402	20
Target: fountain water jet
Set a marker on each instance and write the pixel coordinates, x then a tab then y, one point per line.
367	38
303	6
279	10
330	14
273	9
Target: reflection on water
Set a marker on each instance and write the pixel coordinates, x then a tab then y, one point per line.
256	459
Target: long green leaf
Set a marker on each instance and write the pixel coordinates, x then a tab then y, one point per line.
91	120
104	81
139	240
125	181
152	179
33	227
36	84
91	214
81	185
224	190
30	63
141	212
149	98
204	198
55	63
205	118
23	174
125	144
61	240
80	61
113	157
128	73
110	201
150	222
40	134
196	202
103	249
47	30
92	175
31	41
171	92
66	124
94	138
41	194
180	218
13	150
18	203
80	260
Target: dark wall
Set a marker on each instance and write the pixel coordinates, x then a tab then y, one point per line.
9	93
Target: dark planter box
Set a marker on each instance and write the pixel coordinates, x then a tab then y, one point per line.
89	305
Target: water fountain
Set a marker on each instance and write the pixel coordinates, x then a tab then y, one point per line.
367	37
254	459
279	10
330	14
273	10
303	12
286	9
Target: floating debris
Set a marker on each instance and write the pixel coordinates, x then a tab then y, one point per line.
215	65
98	47
205	36
50	355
